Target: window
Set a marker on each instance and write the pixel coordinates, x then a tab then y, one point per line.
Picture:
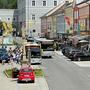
55	3
8	18
34	30
33	17
44	3
14	19
33	3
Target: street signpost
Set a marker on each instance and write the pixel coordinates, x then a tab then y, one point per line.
29	57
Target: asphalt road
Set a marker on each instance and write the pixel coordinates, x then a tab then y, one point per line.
62	74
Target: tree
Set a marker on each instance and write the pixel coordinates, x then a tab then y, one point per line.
8	4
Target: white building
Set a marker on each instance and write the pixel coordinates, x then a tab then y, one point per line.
9	16
30	12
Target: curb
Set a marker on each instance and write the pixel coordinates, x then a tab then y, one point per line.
6	74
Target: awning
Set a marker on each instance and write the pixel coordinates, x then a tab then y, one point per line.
83	41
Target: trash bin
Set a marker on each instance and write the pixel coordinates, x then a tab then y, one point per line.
15	72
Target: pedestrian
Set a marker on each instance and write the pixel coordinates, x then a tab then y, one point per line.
11	59
10	51
17	57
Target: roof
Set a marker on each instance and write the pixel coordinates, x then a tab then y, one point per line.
54	9
44	39
83	3
32	44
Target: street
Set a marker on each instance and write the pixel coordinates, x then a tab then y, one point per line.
63	74
60	74
33	29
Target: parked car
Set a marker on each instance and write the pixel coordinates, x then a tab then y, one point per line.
30	39
81	56
26	74
66	50
4	55
71	52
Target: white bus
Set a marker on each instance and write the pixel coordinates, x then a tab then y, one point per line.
35	53
47	46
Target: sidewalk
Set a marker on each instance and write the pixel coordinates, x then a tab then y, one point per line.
59	54
10	84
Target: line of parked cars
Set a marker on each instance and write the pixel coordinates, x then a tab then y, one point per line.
75	54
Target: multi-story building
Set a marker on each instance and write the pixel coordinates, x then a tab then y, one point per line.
30	12
58	21
82	18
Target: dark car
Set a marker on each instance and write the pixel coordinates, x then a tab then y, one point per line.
66	50
3	55
72	52
81	56
30	39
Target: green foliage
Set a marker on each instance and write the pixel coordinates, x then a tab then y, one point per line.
8	4
38	73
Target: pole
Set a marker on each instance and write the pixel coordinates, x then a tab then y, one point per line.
29	57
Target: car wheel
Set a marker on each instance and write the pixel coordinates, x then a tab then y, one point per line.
33	81
79	59
18	81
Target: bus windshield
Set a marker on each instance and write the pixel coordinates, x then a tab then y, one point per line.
35	52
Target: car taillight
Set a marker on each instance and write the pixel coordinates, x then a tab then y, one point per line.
31	74
21	74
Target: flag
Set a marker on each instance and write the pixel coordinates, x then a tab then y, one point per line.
67	19
78	28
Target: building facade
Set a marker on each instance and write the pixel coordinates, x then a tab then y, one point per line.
30	12
53	22
10	17
82	18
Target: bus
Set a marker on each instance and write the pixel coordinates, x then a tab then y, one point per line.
35	53
47	46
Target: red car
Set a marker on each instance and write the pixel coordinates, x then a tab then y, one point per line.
26	74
